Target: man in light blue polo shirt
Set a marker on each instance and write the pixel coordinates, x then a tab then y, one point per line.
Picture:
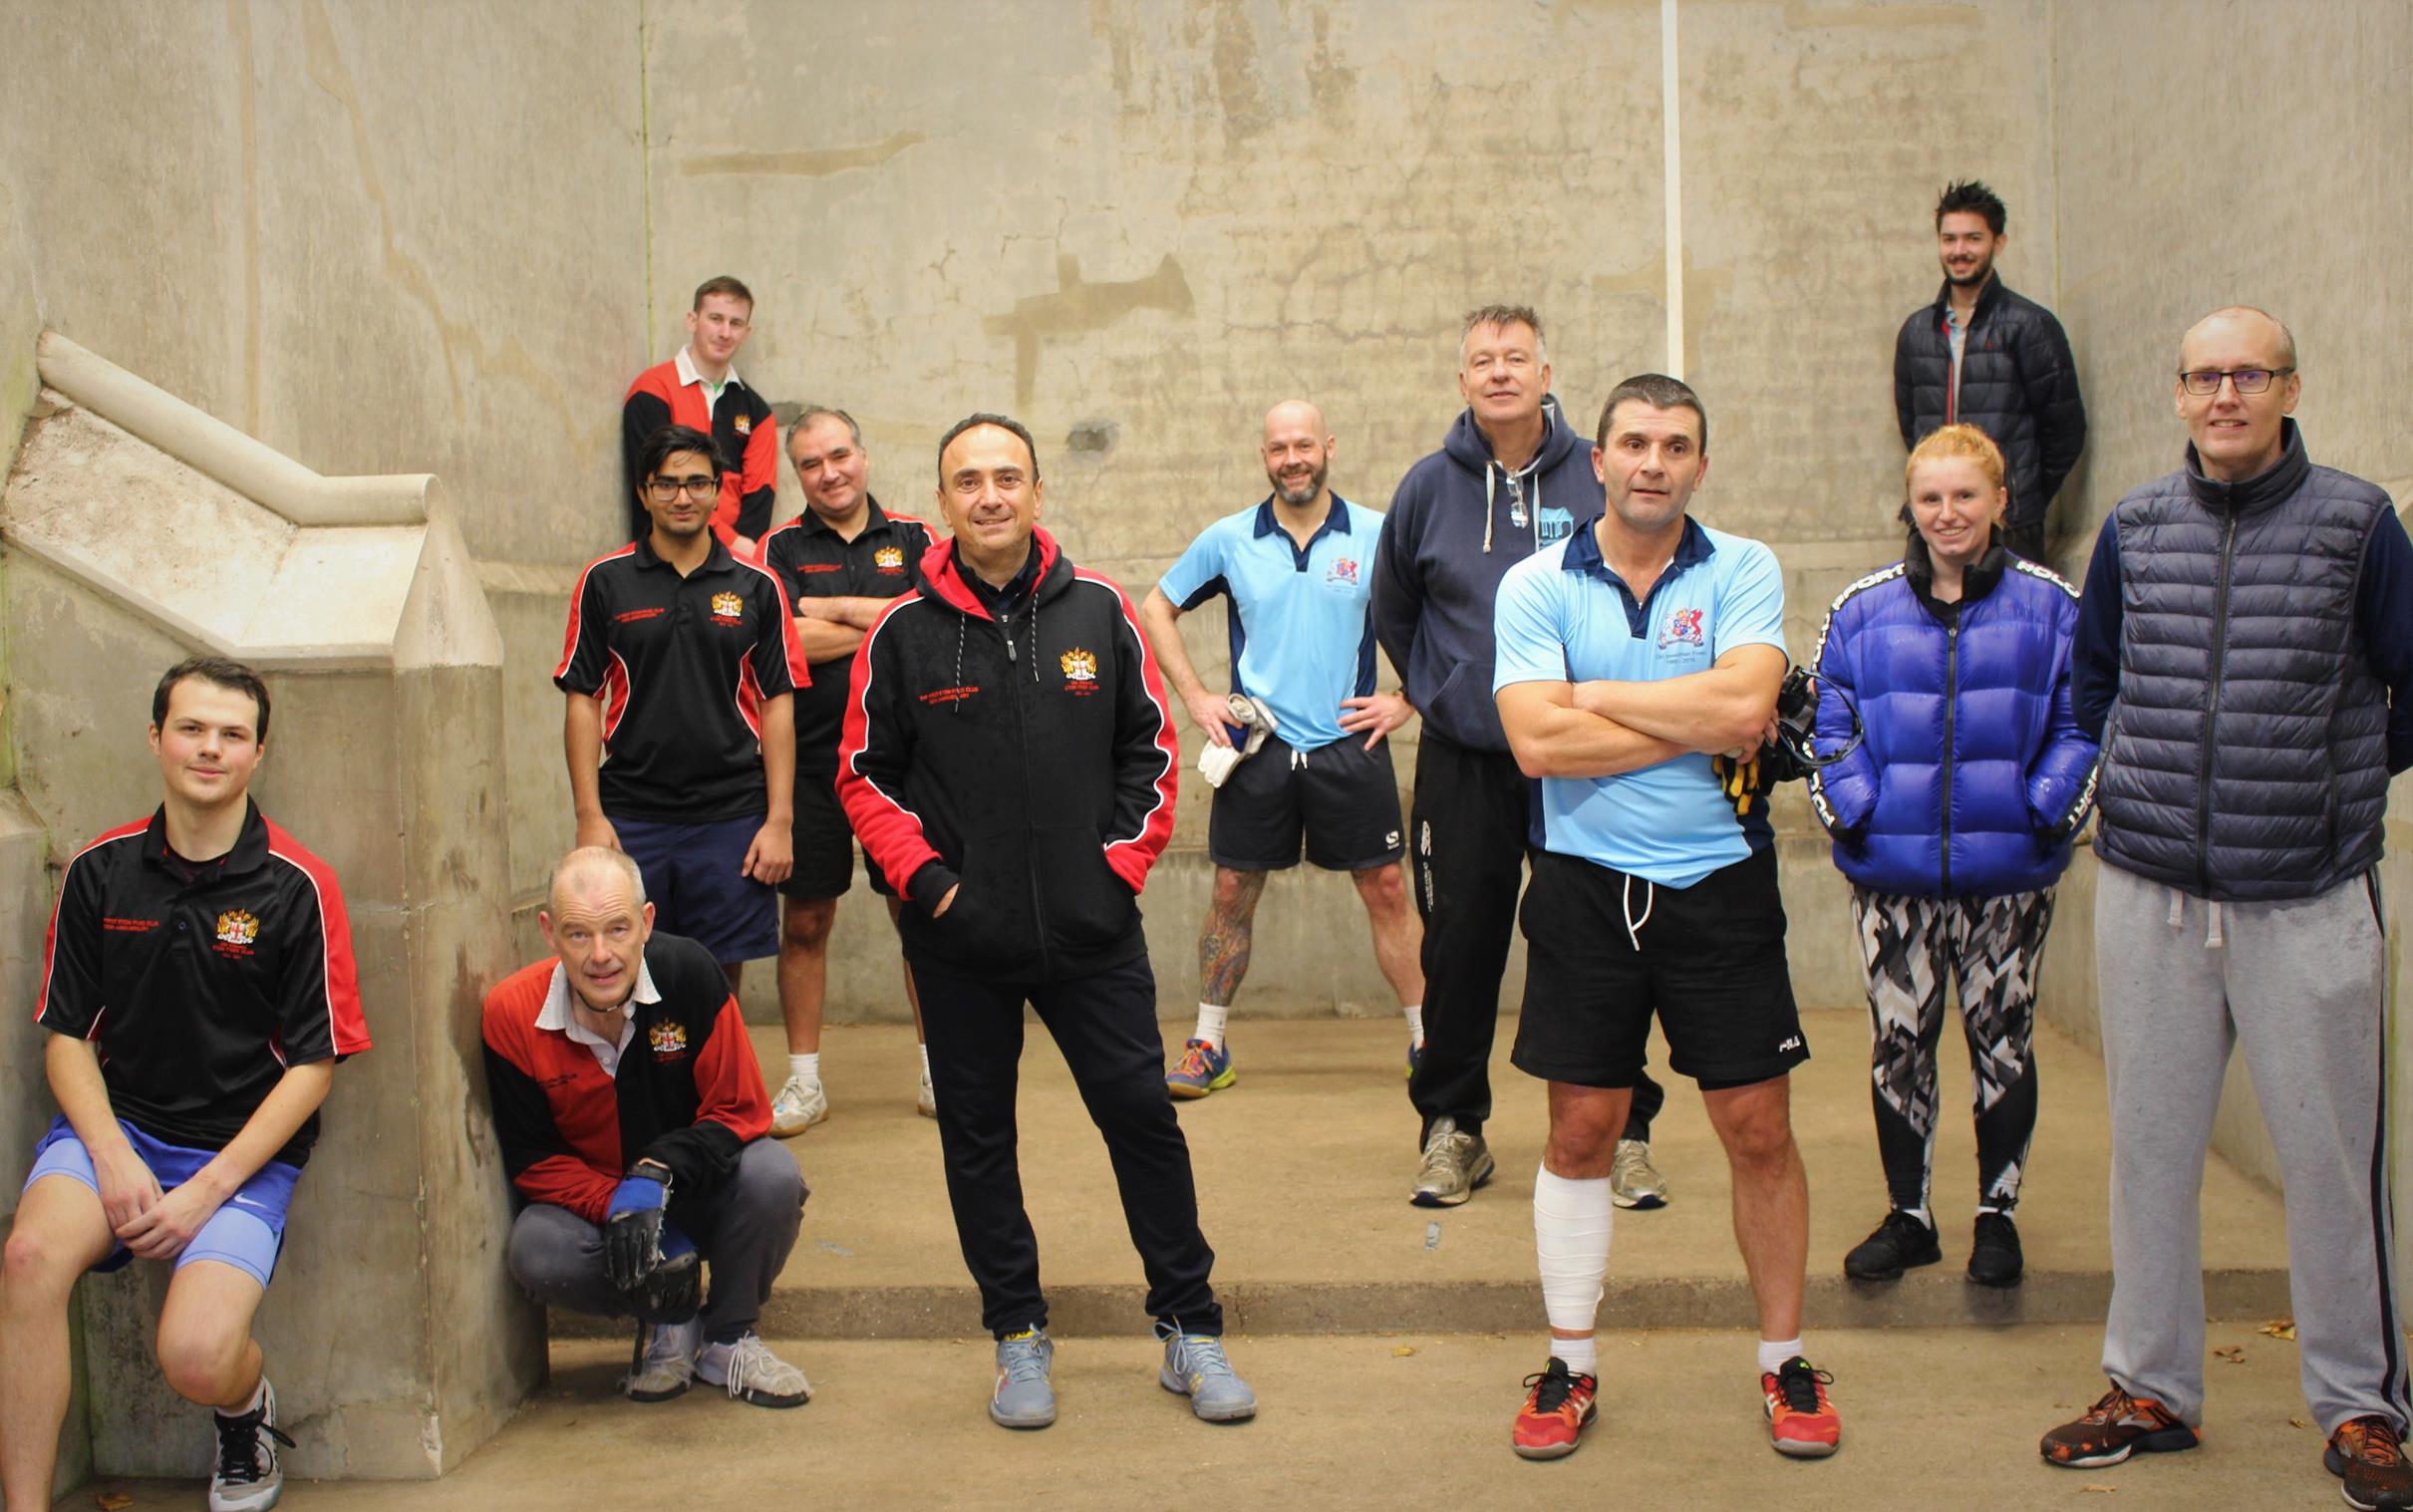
1296	571
1628	656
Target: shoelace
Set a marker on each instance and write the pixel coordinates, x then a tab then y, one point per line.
1202	1355
749	1358
238	1445
1194	1061
1442	1155
1552	1388
1024	1360
2375	1441
1800	1383
2114	1406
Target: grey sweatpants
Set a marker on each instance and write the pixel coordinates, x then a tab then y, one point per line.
743	1232
2300	985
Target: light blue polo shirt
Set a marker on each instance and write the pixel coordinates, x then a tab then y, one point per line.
1303	638
1564	617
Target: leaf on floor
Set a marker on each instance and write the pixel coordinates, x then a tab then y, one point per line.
113	1501
2280	1328
2299	1422
1402	1351
2098	1490
2235	1354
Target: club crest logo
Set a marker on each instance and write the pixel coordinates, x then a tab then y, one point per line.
889	559
236	926
745	425
668	1039
1683	629
728	609
1079	666
1343	570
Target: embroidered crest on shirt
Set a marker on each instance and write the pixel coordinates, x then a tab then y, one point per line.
889	559
1079	666
237	930
1343	570
668	1039
745	425
728	609
1683	629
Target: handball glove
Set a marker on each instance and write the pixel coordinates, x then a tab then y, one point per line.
631	1229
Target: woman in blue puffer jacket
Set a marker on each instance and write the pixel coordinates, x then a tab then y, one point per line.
1952	820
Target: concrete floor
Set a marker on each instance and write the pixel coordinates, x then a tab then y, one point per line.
1933	1418
1303	1168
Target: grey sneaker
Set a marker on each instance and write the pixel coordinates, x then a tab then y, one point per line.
751	1373
666	1361
1196	1367
1024	1398
247	1477
1632	1180
1454	1165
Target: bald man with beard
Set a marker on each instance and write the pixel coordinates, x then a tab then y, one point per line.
1296	571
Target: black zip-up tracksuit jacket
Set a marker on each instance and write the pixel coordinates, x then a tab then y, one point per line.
1030	759
2018	383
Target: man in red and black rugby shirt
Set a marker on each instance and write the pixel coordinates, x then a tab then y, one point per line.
841	561
1009	761
199	990
681	666
697	389
632	1116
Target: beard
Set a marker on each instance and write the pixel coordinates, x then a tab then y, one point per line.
1972	277
1301	492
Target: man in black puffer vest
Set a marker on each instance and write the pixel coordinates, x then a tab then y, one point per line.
1984	356
1008	762
2244	653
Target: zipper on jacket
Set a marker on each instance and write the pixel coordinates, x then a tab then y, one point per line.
1021	730
1951	695
2212	713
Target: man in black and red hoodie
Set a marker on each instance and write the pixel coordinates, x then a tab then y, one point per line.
1007	762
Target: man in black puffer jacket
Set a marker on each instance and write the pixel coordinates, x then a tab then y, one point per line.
1984	356
1008	762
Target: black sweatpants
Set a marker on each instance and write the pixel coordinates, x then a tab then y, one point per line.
1467	843
1105	1027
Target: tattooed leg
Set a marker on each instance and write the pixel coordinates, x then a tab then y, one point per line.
1223	940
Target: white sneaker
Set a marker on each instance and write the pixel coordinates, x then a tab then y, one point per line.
749	1371
666	1361
800	1106
247	1477
925	1102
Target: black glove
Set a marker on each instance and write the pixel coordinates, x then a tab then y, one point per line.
631	1229
675	1290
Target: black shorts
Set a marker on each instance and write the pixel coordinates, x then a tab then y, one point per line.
824	845
1341	797
1710	964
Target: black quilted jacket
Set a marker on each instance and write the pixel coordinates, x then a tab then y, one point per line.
2018	383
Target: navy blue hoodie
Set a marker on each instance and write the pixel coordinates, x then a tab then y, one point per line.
1457	523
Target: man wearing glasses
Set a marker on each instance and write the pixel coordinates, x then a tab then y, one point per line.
2247	634
680	666
1984	356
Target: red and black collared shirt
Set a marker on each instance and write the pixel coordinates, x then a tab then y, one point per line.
682	665
814	562
688	1092
198	993
740	423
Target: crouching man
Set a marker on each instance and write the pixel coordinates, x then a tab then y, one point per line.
633	1118
199	990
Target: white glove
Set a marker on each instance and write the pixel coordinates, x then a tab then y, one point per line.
1215	762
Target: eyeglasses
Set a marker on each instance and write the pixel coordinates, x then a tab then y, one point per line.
664	490
2202	383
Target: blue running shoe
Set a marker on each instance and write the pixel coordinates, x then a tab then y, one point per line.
1024	1398
1196	1367
1202	1069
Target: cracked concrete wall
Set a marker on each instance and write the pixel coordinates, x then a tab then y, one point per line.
1137	223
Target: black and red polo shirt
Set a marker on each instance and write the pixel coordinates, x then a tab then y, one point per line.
687	1091
682	665
200	993
814	562
740	422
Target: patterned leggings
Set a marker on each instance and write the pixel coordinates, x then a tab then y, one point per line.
1994	948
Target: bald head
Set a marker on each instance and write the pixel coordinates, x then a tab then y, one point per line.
597	873
1298	453
2234	322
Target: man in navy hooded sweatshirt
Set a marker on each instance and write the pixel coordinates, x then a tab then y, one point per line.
1511	478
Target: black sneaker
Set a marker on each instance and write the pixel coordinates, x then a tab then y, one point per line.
248	1478
2369	1453
1993	1255
1896	1243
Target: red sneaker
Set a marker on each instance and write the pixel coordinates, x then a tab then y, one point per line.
1802	1422
2115	1427
1555	1411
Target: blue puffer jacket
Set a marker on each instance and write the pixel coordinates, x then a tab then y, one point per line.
1974	776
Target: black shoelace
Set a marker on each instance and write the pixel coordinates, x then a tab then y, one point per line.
238	1445
1554	1386
1800	1385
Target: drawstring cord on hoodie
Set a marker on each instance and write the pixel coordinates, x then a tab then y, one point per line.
1516	498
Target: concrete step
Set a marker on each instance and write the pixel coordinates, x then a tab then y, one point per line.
1305	1165
1933	1417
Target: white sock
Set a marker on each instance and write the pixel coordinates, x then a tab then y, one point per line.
253	1405
1582	1355
1210	1023
925	1050
806	1068
1572	1219
1924	1218
1773	1352
1415	1023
